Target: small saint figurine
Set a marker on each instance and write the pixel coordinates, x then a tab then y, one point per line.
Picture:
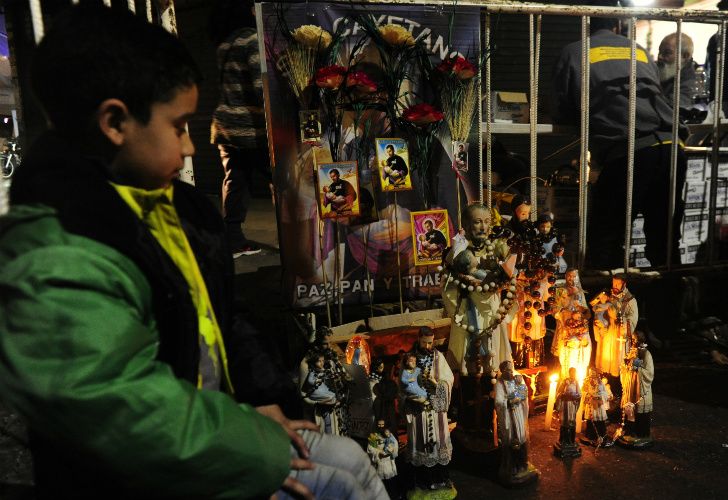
315	387
616	316
409	380
571	342
596	403
383	448
317	382
384	394
511	405
357	352
568	399
429	447
575	350
637	377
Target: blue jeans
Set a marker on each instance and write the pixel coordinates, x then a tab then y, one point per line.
342	470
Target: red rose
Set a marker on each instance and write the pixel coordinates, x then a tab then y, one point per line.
463	68
361	81
330	77
445	66
422	114
460	67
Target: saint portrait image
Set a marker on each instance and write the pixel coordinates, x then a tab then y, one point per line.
338	189
393	163
310	126
460	156
430	236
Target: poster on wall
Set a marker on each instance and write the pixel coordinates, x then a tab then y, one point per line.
326	255
393	161
338	189
430	236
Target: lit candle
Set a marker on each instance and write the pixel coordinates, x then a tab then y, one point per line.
580	411
552	399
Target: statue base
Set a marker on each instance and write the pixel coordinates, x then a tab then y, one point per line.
567	450
447	493
606	442
524	477
635	443
480	441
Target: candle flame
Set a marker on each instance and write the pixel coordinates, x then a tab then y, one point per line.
554	377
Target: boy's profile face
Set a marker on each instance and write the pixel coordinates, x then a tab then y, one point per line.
151	155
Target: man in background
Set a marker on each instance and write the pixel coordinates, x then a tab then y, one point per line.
666	66
608	139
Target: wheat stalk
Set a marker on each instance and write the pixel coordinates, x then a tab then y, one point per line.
459	109
298	64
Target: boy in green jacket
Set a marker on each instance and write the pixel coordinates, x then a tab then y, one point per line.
117	340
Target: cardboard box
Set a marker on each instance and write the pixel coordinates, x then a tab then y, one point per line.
689	253
637	256
510	107
694	227
697	168
638	230
696	195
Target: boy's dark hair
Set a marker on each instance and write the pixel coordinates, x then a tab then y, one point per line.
93	53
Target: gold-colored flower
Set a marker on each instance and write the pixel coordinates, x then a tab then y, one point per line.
396	35
312	36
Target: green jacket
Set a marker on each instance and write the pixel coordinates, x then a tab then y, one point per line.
78	349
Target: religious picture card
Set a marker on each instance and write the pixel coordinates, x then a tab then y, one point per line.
430	236
460	156
338	189
310	126
393	163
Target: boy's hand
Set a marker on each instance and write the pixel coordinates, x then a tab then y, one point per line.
293	486
291	427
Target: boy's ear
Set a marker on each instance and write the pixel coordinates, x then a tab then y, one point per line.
111	116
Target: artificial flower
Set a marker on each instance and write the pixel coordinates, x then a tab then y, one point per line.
361	82
312	36
422	114
460	67
396	35
330	77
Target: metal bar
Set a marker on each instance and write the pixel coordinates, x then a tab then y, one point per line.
36	19
584	149
690	15
399	263
534	46
323	269
675	145
149	11
720	76
338	294
630	138
488	120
